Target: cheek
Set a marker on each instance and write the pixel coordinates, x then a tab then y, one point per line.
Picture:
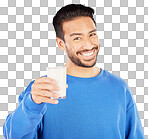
74	46
95	40
71	49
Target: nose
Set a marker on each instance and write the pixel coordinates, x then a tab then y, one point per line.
87	44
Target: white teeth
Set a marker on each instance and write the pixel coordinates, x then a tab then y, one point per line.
87	54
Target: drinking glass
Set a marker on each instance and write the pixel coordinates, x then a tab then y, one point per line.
58	74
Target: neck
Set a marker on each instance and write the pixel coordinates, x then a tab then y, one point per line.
82	71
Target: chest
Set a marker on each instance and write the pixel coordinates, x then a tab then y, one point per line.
85	113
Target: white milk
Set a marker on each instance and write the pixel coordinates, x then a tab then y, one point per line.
58	74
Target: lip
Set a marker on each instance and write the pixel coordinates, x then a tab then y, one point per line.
88	57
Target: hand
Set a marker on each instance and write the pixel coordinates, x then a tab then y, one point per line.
42	90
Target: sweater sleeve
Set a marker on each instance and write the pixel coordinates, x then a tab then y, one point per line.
133	123
26	121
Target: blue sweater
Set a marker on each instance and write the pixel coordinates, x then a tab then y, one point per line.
100	107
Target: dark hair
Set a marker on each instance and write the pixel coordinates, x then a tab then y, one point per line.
68	13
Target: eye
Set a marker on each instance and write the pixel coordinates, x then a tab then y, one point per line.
93	34
77	38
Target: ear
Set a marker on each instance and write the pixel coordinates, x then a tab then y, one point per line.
60	43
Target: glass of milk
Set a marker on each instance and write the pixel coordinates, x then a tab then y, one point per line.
58	74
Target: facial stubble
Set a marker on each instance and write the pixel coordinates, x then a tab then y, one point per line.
74	59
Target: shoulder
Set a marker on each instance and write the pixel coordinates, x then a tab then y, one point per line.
114	79
119	84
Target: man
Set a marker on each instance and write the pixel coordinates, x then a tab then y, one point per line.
98	104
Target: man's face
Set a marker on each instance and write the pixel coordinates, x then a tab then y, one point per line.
81	41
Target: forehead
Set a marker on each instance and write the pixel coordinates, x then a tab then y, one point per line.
80	25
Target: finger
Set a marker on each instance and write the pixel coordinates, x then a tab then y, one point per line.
66	85
48	100
45	80
45	93
46	86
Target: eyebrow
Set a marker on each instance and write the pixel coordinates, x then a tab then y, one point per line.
94	30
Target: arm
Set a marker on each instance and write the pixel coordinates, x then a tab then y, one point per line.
133	124
26	120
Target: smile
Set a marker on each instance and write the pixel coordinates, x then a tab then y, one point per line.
88	55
